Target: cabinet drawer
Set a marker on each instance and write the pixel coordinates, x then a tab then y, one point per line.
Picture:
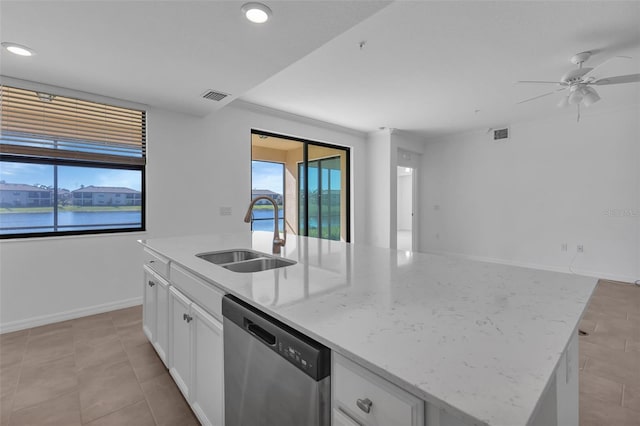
357	390
157	262
206	295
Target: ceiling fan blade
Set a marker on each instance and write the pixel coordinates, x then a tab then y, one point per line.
537	82
608	67
620	79
541	96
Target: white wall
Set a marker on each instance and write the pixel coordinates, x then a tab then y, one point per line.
555	181
379	182
194	166
405	200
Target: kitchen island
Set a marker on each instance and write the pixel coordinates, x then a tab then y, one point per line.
480	343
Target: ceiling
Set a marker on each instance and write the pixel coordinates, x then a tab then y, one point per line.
166	53
426	67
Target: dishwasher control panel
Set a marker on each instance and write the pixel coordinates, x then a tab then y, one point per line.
309	356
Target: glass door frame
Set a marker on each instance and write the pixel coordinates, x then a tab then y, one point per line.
305	159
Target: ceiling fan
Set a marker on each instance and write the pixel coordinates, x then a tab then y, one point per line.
577	83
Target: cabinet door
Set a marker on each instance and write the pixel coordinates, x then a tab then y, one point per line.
161	341
149	304
208	387
180	340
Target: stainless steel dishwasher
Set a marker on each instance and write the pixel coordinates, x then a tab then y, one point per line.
273	374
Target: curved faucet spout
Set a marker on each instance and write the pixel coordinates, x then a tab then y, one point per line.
277	241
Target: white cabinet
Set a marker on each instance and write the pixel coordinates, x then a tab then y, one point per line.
154	312
196	353
180	340
363	398
207	399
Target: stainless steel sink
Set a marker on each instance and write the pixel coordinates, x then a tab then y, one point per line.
257	265
230	256
242	260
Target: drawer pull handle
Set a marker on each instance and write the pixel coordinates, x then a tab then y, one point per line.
151	283
365	404
152	261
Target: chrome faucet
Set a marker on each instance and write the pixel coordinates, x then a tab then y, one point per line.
277	241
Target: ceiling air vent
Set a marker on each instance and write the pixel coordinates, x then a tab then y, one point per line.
499	134
214	96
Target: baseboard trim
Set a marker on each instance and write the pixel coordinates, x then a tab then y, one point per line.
68	315
566	270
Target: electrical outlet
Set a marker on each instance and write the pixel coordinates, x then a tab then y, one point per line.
564	247
225	211
580	248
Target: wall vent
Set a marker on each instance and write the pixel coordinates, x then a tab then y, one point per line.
214	95
499	134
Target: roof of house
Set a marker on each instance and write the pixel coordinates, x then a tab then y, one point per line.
21	187
107	189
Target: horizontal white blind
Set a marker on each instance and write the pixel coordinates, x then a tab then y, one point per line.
45	125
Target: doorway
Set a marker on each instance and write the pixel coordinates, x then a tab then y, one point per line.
405	208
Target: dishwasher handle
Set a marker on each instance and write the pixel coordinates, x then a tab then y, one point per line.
259	332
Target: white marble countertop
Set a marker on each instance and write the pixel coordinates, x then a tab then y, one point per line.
480	340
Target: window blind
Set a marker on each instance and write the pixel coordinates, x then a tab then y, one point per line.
43	125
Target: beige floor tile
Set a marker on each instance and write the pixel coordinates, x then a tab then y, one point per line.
594	412
106	388
124	317
6	406
606	390
49	328
50	345
610	369
45	380
137	414
92	321
63	410
132	335
94	354
166	402
145	362
617	343
631	398
12	349
632	345
619	327
99	334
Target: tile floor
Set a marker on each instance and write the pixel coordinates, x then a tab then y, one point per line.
100	370
610	357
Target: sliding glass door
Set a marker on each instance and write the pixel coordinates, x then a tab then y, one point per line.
315	194
324	198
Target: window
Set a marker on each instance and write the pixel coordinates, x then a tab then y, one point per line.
69	166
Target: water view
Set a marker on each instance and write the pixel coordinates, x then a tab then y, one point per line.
11	223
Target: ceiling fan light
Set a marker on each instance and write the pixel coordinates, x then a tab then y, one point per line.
575	97
591	97
564	102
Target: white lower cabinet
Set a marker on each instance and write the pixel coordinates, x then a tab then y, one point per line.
207	388
196	355
155	311
363	398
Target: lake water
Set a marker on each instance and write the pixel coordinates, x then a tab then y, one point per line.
68	221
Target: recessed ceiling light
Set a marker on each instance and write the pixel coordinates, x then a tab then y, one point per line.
257	13
17	49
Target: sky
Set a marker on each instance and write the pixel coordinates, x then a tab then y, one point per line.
69	177
265	175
